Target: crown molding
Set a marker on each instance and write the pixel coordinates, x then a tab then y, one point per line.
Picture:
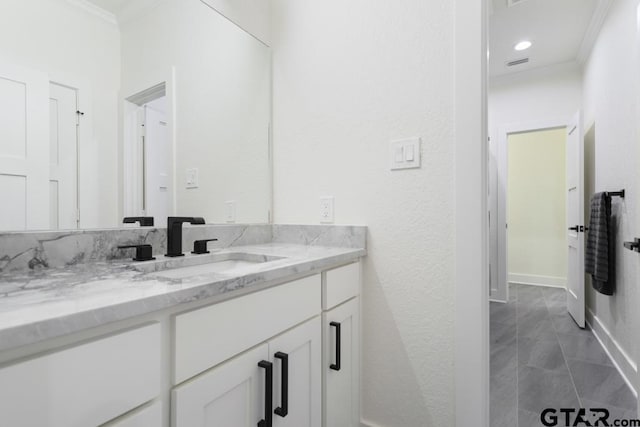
593	30
92	9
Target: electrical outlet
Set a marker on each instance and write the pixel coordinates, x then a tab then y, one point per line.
326	210
230	211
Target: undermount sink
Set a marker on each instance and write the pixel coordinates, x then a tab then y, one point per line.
197	265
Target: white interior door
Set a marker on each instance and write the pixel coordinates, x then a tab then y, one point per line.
24	149
63	155
575	220
157	161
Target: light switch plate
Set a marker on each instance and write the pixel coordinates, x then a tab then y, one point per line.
326	210
405	153
163	182
191	178
230	211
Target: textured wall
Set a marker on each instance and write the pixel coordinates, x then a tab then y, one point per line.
348	78
610	94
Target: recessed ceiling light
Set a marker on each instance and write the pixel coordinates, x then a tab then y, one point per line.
523	45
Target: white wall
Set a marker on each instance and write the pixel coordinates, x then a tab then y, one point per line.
223	104
536	207
611	103
524	100
74	46
348	78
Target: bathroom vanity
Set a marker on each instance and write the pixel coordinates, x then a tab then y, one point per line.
140	112
260	334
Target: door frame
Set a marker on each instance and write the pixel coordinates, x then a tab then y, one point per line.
471	352
128	91
85	171
502	166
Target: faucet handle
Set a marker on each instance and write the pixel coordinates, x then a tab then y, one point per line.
143	252
200	246
145	221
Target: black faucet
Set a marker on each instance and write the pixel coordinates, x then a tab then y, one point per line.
174	233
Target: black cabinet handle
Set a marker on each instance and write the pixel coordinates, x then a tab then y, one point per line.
576	228
336	366
268	394
283	410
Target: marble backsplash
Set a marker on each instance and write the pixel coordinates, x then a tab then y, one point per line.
53	249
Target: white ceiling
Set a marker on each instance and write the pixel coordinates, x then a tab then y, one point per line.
557	29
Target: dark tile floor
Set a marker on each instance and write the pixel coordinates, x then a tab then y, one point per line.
541	359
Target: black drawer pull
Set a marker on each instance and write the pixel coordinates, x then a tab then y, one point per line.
336	366
268	394
283	410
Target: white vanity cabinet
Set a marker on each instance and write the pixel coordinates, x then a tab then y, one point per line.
286	354
228	395
85	385
341	368
341	346
279	379
262	360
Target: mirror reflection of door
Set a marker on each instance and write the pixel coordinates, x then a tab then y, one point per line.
156	161
38	152
63	155
148	155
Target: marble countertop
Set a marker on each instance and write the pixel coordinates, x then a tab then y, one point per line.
40	305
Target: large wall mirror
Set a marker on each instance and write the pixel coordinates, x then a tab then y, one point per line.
114	108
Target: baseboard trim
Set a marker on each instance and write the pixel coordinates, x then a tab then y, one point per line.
620	359
531	279
364	423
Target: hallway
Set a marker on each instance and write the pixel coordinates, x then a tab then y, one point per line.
541	359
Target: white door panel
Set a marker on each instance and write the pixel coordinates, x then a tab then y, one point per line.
157	164
24	148
575	219
63	151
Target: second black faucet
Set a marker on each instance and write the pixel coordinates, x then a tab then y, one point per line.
174	233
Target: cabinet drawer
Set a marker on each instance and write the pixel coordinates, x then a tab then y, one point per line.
211	335
86	385
341	284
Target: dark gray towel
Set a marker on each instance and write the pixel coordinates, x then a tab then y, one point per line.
598	257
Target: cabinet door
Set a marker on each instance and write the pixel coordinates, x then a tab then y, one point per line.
341	345
297	376
230	395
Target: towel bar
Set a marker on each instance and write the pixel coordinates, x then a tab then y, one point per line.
616	193
633	246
